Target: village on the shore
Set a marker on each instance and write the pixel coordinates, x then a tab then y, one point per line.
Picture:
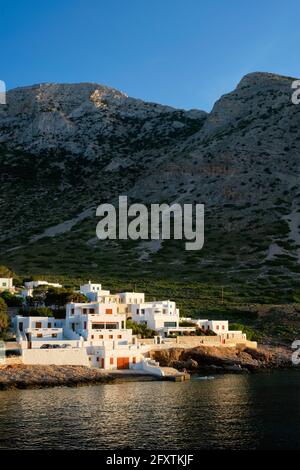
98	332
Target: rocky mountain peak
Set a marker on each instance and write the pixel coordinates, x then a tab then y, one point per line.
66	148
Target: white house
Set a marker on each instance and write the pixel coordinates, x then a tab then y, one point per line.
95	332
38	330
6	283
162	316
131	297
109	343
93	292
87	319
219	327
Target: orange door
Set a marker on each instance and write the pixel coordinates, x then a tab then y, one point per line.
102	363
123	362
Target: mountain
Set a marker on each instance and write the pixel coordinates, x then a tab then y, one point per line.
64	149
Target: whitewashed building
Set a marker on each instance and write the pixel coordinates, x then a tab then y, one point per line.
162	316
219	327
6	283
94	328
93	292
36	331
94	333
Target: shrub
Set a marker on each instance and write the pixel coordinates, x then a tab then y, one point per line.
251	334
140	329
11	300
37	312
4	318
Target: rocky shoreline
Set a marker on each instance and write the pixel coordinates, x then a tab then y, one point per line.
22	376
194	360
222	360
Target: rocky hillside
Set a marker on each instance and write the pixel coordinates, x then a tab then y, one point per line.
67	148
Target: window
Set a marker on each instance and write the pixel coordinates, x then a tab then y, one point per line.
84	310
110	336
137	311
217	327
143	311
21	326
119	336
98	359
111	361
103	326
134	360
39	335
108	311
170	324
49	325
38	324
92	310
100	336
54	335
72	311
92	336
223	327
84	325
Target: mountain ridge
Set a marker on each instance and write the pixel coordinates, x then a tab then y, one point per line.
64	152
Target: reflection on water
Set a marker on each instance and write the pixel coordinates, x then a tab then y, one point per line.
232	411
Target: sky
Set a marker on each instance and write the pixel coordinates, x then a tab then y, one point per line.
183	53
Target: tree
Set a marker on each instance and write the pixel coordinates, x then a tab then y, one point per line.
296	296
140	329
38	312
60	297
4	318
38	296
5	271
250	333
10	299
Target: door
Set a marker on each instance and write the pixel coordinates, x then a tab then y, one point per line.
29	343
123	363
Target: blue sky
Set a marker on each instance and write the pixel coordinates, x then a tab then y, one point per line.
185	53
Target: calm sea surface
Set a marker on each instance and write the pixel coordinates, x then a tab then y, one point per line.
228	412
